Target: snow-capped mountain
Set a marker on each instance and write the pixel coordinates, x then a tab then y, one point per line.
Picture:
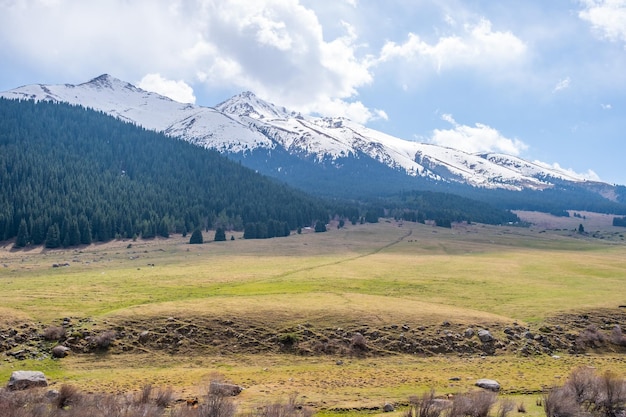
201	125
246	124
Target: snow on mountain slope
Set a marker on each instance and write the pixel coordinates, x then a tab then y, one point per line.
204	126
245	122
338	137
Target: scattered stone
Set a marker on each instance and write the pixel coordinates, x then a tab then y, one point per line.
388	408
339	362
488	384
21	380
52	394
229	390
60	351
455	378
469	333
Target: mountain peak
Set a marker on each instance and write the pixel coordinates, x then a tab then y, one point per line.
247	104
106	81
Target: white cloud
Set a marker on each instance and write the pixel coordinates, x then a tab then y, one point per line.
176	90
479	138
355	111
478	46
606	106
275	48
590	175
562	84
607	17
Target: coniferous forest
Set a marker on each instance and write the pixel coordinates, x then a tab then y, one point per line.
71	176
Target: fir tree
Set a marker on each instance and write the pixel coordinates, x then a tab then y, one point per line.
320	226
53	237
196	237
22	235
220	235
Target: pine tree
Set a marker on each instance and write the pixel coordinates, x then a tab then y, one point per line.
74	233
53	237
220	235
196	238
22	235
249	232
84	230
320	227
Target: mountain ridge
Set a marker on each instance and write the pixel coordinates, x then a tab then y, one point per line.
245	124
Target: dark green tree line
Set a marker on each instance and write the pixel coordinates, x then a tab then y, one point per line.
72	176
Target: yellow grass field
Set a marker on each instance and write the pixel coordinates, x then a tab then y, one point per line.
374	276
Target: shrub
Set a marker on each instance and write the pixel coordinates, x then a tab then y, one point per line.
505	407
164	397
288	340
426	406
104	340
68	396
582	383
358	343
144	395
54	333
610	400
292	409
560	402
590	337
217	403
617	337
474	404
586	393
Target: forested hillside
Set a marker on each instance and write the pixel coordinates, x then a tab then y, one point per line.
445	208
71	176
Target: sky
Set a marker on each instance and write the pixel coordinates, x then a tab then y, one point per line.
542	80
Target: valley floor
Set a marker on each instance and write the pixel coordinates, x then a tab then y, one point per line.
348	319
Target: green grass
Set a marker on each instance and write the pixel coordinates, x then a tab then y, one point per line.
381	274
506	277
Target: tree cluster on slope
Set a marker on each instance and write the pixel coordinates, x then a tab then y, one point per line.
70	176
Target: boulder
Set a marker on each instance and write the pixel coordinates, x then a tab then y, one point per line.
485	336
488	384
27	379
388	408
227	390
60	351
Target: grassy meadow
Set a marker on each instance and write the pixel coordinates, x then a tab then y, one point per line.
376	275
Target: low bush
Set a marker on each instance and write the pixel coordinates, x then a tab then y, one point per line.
591	337
104	340
617	337
589	394
358	343
54	333
426	406
288	340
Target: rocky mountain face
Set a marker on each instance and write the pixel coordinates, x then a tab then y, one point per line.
299	148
